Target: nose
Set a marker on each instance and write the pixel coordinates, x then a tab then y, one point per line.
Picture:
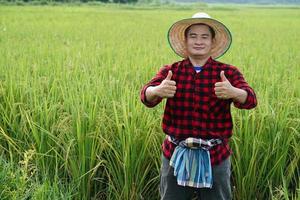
198	40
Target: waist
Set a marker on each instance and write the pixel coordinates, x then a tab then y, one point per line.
195	143
218	153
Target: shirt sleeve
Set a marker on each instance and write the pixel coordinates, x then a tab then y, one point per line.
156	80
239	82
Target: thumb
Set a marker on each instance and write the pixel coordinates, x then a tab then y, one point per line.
169	75
223	77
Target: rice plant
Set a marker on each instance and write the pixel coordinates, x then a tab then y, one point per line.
70	79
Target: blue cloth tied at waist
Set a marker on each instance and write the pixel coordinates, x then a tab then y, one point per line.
191	161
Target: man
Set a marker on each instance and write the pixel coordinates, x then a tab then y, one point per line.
197	120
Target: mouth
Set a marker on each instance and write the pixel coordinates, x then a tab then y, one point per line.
198	48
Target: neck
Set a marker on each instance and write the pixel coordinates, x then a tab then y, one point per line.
198	60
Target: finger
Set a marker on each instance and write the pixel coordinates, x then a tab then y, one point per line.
219	84
170	94
218	89
219	93
171	82
223	77
169	76
171	87
220	96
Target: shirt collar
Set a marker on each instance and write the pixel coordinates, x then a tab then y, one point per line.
208	63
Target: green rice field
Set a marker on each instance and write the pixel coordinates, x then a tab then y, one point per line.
72	125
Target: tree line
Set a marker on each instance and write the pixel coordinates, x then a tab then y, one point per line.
70	1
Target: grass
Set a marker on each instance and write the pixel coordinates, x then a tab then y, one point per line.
21	182
69	94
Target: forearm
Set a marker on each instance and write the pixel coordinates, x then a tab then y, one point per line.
244	96
151	96
240	95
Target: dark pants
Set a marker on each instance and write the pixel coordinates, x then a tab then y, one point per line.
221	190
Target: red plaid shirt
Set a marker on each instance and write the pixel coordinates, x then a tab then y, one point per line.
195	111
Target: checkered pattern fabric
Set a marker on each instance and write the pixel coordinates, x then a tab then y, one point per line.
195	111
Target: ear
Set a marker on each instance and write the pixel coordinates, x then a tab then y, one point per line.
185	43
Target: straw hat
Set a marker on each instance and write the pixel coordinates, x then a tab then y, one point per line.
176	35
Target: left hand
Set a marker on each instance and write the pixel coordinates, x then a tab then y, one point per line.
224	89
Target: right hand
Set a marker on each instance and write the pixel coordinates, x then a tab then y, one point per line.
167	87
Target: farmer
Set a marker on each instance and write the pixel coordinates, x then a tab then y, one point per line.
197	119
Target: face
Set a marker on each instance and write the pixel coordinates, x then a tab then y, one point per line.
199	41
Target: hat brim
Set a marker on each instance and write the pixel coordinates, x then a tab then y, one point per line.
176	36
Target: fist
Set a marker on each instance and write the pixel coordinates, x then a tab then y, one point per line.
167	87
224	89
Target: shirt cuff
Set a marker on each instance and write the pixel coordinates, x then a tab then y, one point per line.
144	99
250	100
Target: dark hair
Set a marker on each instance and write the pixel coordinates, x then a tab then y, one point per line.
211	30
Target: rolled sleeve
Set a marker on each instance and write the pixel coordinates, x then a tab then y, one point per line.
250	102
144	99
238	81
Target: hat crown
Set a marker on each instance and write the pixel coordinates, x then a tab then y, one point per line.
201	15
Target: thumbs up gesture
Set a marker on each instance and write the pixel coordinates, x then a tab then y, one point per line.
224	89
167	87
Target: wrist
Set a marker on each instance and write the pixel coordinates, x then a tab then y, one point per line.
235	93
152	91
151	94
239	95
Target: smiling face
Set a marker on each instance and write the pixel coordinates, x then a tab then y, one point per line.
199	41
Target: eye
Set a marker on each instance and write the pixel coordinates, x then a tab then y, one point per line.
192	35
